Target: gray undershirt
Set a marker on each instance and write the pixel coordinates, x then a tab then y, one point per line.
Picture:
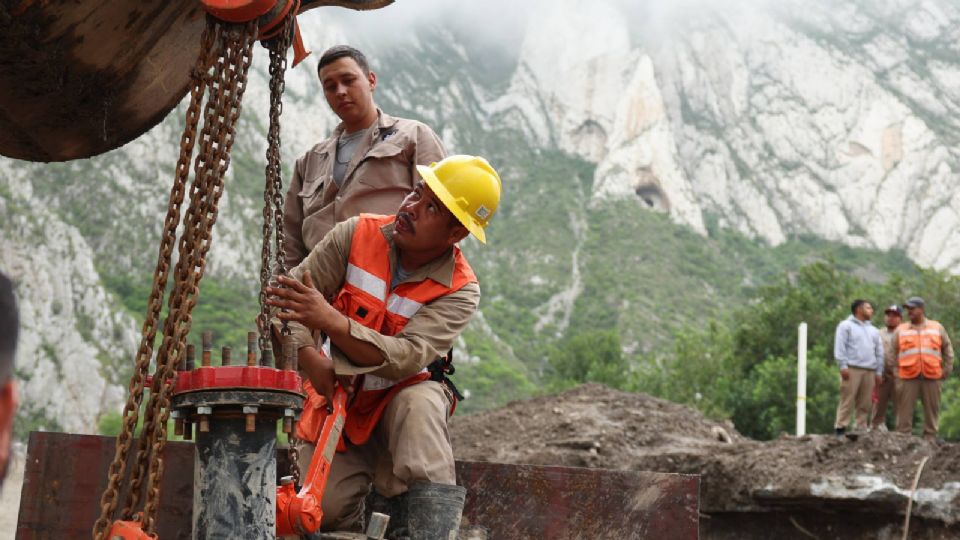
399	275
347	146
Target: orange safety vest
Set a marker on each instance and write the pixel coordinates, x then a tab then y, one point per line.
920	350
366	298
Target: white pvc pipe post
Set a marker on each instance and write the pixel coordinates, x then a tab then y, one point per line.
802	380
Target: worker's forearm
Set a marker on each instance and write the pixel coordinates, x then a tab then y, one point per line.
337	328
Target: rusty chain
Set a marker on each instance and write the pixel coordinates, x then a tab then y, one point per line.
211	167
273	206
231	46
131	410
273	188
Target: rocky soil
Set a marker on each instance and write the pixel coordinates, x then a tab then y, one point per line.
595	426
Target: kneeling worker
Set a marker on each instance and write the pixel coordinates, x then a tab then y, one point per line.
392	294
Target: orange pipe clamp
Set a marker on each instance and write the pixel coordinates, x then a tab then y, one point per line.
271	12
237	11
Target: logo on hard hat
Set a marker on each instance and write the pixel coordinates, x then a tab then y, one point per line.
482	212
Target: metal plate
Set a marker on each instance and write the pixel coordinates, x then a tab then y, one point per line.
521	502
65	475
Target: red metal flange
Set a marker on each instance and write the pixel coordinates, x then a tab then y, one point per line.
255	377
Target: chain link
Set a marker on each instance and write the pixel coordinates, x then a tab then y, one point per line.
131	410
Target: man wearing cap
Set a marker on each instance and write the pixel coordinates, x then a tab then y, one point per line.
392	294
859	354
892	317
366	165
924	358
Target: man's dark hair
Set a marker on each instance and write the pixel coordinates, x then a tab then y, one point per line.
9	328
856	305
343	51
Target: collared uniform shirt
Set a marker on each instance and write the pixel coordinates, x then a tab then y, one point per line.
888	339
428	335
381	173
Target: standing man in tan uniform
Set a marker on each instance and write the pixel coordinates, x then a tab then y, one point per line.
368	164
392	295
924	358
892	317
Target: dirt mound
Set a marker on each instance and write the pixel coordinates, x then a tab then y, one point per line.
595	426
589	426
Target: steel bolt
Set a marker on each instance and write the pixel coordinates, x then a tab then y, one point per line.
267	359
204	412
289	354
251	412
177	423
225	356
207	343
288	416
191	356
251	348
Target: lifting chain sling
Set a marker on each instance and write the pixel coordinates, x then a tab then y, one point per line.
221	70
273	212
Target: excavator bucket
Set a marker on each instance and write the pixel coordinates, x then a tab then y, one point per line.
504	502
80	78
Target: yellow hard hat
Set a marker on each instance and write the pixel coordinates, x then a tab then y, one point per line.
468	186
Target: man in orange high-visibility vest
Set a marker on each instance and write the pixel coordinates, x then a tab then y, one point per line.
392	294
924	358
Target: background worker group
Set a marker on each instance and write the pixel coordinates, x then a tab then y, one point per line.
900	363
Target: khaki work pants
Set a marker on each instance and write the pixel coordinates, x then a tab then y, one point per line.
410	444
928	390
856	392
886	394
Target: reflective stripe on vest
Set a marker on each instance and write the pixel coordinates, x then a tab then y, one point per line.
404	307
930	352
366	282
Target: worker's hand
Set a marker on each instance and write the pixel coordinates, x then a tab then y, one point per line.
302	301
845	374
319	369
347	382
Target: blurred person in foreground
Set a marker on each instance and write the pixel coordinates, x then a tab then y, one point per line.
9	328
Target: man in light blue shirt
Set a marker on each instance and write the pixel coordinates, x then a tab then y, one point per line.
859	353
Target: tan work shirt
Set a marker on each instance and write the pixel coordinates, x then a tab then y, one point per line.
381	173
888	338
946	349
428	335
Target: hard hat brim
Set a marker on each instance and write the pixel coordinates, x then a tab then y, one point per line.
448	200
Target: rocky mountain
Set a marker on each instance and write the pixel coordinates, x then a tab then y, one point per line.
760	135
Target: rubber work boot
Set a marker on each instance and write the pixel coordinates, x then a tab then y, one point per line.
434	511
